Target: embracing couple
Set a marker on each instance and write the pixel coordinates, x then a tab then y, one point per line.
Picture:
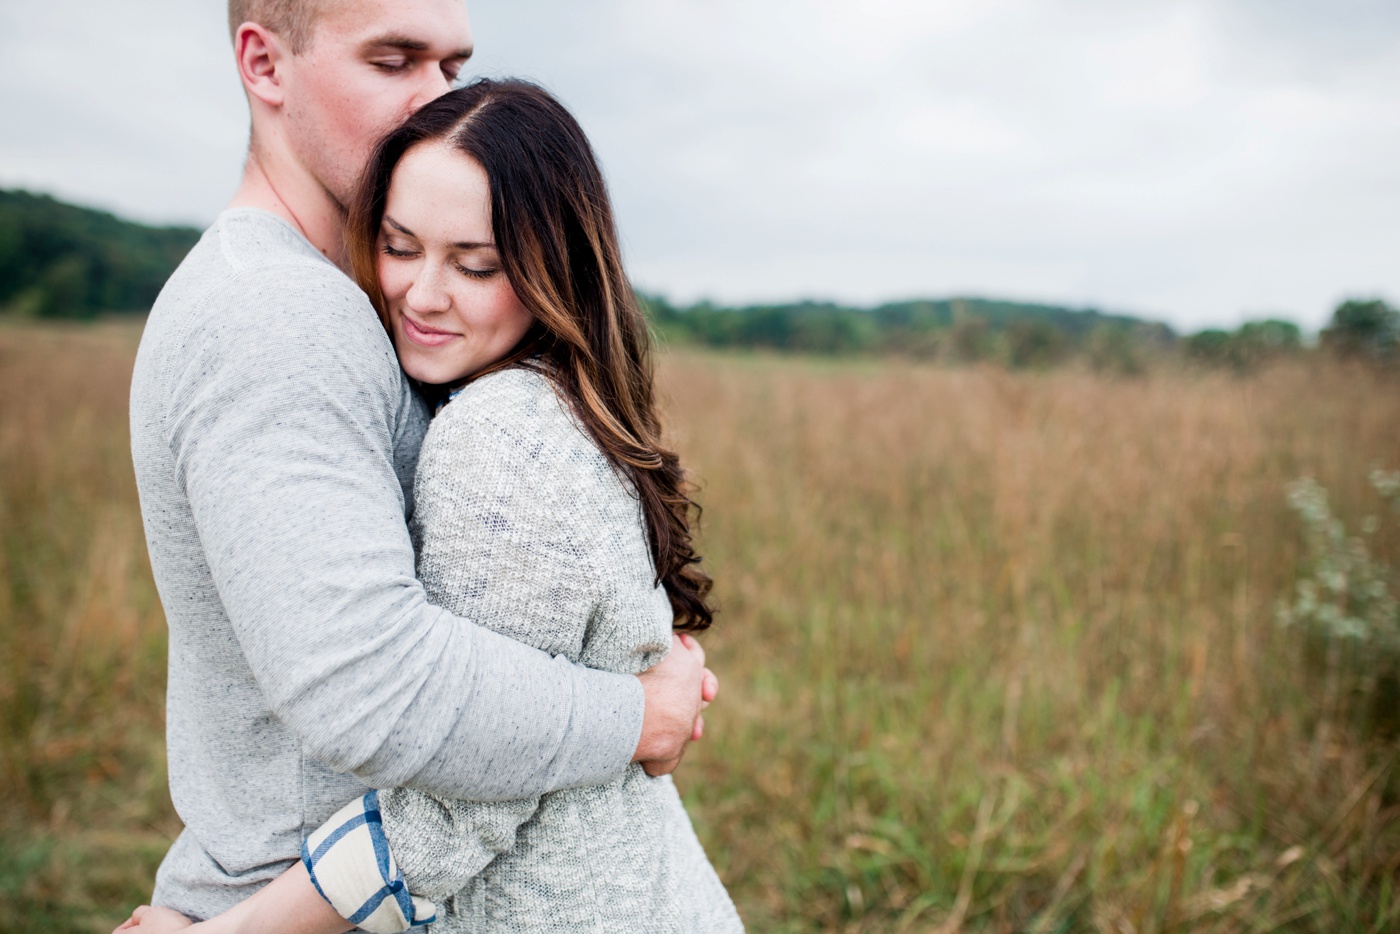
407	688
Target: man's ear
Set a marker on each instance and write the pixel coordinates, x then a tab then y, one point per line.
261	56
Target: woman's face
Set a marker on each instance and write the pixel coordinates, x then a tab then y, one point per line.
452	310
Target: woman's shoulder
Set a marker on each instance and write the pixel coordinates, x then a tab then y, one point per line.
519	401
514	387
519	409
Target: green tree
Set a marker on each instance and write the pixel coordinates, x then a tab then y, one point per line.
1366	330
970	339
1112	349
1210	346
1252	344
1035	343
60	260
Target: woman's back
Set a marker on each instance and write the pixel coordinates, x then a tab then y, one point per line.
523	526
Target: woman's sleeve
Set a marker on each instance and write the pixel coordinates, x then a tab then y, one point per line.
353	869
446	841
498	543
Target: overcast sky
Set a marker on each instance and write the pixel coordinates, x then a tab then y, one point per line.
1198	161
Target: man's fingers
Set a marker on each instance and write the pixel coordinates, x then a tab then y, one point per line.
690	643
659	767
709	687
699	729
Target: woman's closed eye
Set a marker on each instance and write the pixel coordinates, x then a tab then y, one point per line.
475	273
388	250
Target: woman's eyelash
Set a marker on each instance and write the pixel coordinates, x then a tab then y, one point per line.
388	250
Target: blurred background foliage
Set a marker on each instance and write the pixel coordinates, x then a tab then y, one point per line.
63	261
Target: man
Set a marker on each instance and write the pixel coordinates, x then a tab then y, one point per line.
274	439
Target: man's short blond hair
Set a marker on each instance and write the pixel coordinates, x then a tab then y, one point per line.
293	20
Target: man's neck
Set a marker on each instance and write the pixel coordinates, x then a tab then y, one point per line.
298	200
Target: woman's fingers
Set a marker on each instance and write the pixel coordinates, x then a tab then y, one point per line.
133	921
155	920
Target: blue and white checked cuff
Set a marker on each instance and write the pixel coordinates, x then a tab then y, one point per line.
351	866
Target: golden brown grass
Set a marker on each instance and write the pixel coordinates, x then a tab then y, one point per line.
86	815
998	650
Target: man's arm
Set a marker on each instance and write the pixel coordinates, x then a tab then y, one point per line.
281	423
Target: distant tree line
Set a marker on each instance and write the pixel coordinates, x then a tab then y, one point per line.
1244	348
1020	335
963	330
1360	331
62	261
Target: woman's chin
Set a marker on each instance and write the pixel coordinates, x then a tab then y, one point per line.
428	375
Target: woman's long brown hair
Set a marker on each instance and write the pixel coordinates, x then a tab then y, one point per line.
553	225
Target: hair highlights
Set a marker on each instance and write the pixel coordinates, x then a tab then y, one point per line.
553	225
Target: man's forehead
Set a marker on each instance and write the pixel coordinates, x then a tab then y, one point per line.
438	25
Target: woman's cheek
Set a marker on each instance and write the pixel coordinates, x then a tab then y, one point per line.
389	284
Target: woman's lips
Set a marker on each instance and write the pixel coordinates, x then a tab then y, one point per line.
427	337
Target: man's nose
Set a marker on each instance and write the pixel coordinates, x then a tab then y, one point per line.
435	83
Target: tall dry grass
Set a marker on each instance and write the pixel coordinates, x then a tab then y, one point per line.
85	815
999	653
997	650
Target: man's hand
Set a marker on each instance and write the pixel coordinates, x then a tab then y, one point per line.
677	690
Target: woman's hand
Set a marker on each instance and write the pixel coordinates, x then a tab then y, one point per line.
149	920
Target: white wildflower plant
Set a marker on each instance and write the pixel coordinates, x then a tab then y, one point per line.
1346	594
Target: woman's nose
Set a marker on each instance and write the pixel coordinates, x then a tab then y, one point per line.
426	294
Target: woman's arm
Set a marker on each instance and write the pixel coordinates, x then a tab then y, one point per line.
289	905
348	878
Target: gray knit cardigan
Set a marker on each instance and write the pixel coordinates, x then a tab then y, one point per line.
523	526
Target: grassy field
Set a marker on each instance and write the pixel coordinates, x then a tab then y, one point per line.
998	650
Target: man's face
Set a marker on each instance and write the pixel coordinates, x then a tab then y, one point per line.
370	64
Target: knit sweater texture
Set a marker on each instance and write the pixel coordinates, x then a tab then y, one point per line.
275	440
523	526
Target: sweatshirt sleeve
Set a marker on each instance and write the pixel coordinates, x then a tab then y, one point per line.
281	425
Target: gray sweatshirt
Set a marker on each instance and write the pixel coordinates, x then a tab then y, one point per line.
275	439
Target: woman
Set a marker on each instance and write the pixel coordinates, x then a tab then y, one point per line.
546	508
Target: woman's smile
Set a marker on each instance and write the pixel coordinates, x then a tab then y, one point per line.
452	309
424	335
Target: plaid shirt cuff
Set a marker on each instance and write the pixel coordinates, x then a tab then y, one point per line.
351	866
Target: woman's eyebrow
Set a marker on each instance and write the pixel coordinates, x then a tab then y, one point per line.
459	245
